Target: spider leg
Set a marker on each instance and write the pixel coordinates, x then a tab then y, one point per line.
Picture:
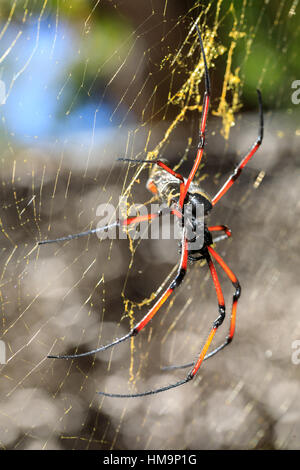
201	143
145	320
223	228
117	223
185	187
78	235
235	299
220	228
155	162
196	365
236	296
227	234
246	159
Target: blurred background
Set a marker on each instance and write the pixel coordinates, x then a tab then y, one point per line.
83	83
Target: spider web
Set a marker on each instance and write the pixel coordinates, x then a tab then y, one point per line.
83	83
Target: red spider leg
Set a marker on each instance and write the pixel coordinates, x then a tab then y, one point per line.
155	162
246	159
220	228
201	144
204	350
136	329
144	218
117	223
177	281
223	228
218	322
236	296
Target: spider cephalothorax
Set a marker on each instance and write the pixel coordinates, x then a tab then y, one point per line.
178	192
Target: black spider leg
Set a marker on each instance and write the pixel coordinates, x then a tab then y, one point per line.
81	234
117	223
149	315
218	322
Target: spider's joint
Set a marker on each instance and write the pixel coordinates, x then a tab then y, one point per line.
238	290
218	322
201	141
190	376
177	281
236	173
134	331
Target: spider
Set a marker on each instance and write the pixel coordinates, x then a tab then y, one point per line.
180	193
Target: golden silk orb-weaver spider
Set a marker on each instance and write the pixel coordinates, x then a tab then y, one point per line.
181	193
